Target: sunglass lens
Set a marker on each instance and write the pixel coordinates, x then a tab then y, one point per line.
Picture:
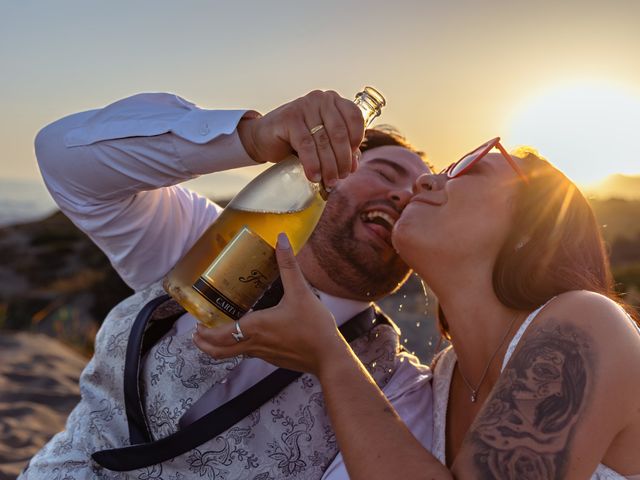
463	163
469	158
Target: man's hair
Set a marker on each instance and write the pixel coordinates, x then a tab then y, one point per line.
554	244
387	135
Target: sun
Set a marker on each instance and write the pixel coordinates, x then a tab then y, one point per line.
588	130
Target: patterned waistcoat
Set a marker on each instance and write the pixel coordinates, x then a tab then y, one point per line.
289	436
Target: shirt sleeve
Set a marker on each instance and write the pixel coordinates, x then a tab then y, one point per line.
115	173
410	393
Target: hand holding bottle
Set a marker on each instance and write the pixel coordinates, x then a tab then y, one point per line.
299	333
327	154
231	265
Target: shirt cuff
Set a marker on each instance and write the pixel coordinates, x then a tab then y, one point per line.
225	152
201	126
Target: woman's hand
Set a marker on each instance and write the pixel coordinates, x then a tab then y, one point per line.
299	333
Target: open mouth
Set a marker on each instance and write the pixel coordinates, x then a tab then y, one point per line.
381	223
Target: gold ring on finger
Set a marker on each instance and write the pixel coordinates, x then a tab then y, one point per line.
316	129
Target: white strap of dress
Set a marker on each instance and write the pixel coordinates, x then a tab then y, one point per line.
516	338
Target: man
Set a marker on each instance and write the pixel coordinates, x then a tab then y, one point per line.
114	172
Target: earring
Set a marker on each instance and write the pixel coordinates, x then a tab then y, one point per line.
521	244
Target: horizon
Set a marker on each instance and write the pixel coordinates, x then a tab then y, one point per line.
28	199
454	74
232	181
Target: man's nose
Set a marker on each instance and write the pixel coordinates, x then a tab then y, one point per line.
400	197
430	181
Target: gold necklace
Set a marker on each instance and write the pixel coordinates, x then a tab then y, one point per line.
474	391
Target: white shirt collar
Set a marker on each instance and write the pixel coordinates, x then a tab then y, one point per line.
342	309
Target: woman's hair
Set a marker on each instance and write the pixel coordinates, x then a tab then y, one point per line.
554	245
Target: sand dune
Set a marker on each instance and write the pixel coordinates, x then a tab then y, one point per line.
38	389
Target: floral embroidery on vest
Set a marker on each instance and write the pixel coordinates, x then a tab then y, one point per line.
290	436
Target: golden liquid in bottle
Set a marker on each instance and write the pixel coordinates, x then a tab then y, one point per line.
298	225
236	254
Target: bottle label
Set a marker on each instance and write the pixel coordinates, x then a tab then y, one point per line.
239	275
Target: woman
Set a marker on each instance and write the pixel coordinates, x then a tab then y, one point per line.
542	377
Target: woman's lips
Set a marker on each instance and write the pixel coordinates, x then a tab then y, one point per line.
426	201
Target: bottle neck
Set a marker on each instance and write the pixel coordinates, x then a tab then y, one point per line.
370	102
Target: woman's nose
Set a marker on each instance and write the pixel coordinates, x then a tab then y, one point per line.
430	181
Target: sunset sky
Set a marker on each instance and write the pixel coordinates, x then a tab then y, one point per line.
563	76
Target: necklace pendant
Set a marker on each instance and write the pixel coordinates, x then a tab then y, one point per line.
474	397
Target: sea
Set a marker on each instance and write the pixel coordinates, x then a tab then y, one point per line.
24	201
28	200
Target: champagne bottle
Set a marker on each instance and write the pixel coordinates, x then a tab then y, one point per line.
233	263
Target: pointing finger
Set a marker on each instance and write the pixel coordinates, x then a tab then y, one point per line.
293	281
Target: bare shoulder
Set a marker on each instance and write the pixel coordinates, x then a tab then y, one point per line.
599	329
604	322
568	390
586	300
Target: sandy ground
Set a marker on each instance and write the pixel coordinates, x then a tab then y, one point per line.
38	389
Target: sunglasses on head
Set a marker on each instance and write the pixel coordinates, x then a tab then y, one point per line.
466	162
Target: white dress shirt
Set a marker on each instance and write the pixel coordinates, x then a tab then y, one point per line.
115	172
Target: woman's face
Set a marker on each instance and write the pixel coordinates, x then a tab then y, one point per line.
466	218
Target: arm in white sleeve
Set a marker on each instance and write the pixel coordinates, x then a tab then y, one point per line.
114	173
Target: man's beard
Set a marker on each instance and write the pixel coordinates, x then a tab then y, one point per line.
361	268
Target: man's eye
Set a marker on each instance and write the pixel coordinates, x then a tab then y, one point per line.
385	175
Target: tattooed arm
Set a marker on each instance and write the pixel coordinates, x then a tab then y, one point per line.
569	390
567	393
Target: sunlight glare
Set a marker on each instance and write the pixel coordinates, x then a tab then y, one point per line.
589	131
